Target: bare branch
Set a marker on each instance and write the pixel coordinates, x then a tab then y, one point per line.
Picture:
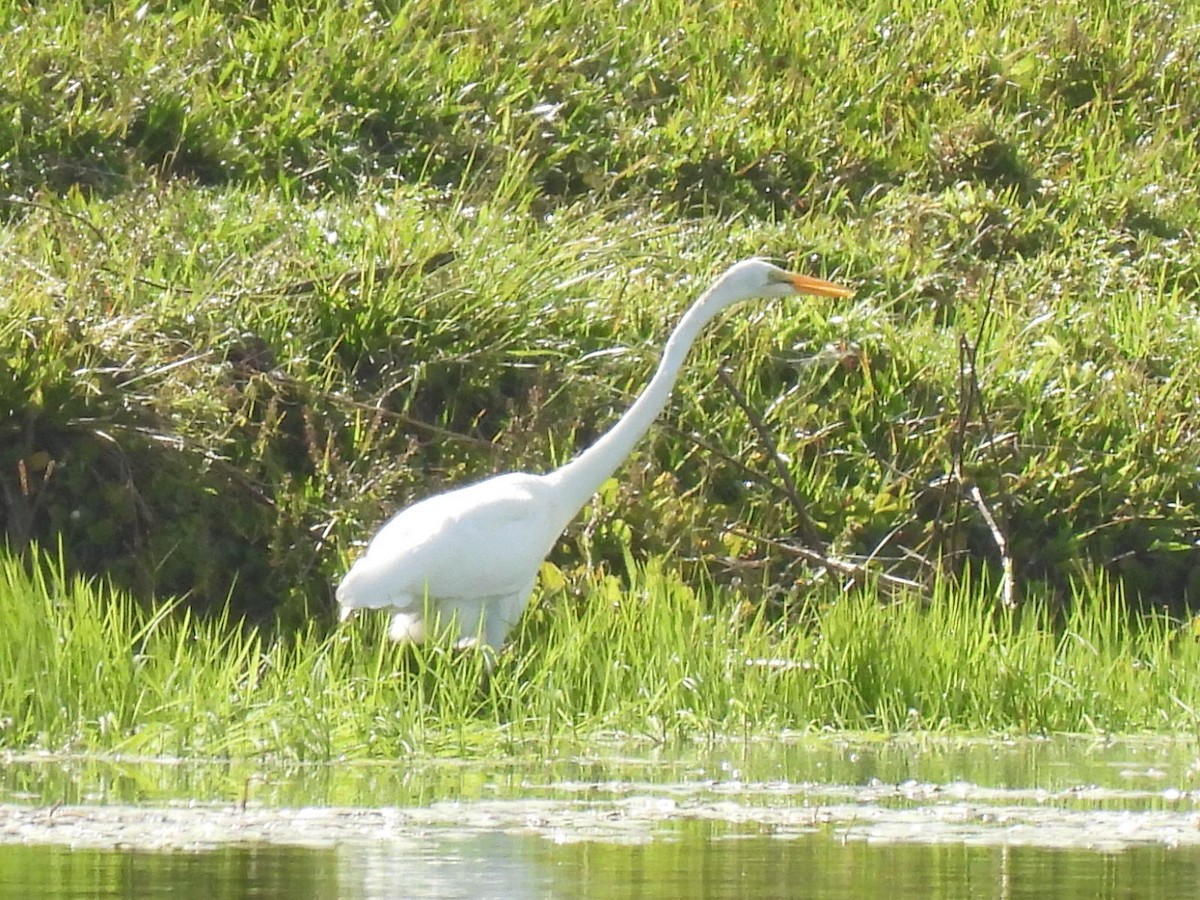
971	398
807	527
1008	588
855	572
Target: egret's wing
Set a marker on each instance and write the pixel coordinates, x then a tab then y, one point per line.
485	540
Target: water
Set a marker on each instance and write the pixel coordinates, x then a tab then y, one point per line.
824	818
692	863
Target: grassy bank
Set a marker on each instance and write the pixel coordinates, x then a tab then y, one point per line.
656	661
268	275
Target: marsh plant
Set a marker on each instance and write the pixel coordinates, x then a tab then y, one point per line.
256	299
646	658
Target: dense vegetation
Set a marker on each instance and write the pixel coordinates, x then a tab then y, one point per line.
269	273
645	661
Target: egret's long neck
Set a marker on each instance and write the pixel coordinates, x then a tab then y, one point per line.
580	478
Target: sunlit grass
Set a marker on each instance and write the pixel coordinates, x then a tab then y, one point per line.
270	419
222	364
81	669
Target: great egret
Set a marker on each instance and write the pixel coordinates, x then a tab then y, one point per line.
463	563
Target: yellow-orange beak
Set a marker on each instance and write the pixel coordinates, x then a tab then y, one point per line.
806	284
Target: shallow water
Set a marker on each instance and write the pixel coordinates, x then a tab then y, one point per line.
696	862
825	817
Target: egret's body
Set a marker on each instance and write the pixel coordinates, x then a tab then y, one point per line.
473	552
469	558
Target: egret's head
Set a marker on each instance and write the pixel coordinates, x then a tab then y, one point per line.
759	278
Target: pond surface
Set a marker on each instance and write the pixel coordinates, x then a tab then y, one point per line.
822	818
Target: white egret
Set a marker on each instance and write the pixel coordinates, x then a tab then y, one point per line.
463	563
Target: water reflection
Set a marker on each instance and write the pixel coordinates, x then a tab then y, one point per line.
1149	773
697	860
491	865
59	873
809	818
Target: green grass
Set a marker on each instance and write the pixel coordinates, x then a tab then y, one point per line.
653	660
217	375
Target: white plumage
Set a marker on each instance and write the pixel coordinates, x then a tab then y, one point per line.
464	562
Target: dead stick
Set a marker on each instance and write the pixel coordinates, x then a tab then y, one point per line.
840	567
1008	594
807	528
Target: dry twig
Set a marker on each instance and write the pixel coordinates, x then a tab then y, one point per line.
807	527
971	398
813	550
